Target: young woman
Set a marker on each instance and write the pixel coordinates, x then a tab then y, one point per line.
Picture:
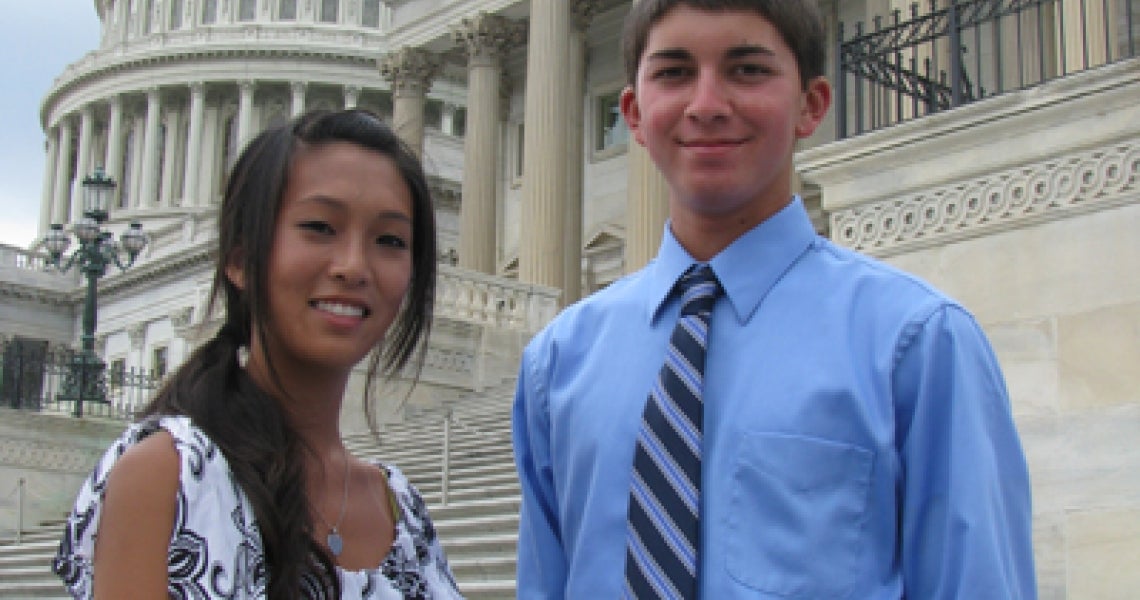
235	483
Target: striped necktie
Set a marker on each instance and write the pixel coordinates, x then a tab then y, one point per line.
664	500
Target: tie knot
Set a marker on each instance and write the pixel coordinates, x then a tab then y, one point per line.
699	288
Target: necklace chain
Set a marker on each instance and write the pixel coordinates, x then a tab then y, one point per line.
334	540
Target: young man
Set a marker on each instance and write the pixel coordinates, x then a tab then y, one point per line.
852	434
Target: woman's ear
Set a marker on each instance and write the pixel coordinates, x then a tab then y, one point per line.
235	269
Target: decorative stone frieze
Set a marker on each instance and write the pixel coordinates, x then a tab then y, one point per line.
1042	191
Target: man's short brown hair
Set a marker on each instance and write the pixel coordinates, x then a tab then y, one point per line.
798	21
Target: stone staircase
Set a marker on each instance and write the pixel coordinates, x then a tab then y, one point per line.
477	521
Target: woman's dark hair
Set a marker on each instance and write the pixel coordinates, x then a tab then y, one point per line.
247	424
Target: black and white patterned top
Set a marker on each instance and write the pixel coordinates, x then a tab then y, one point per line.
215	548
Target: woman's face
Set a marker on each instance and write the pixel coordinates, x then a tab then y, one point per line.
341	258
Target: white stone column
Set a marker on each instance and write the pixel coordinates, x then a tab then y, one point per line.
298	105
410	72
48	197
148	177
62	203
82	159
583	12
190	195
351	96
171	120
244	116
544	165
113	158
487	39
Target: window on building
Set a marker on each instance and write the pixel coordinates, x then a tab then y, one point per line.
610	129
287	10
116	375
433	113
459	122
176	14
520	149
329	11
247	10
370	13
209	11
158	362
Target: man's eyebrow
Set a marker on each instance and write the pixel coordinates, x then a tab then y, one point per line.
746	50
670	54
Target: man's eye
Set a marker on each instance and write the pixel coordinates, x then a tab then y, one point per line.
670	73
750	70
393	241
317	227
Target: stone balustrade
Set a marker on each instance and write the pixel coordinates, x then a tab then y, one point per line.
481	299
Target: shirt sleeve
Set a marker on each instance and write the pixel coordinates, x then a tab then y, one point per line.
965	491
541	560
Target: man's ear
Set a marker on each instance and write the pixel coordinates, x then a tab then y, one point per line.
816	101
235	269
631	112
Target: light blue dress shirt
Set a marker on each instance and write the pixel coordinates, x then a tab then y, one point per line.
858	441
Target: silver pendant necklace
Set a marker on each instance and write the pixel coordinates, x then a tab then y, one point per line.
334	541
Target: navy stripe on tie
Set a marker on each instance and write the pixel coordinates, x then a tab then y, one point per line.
664	502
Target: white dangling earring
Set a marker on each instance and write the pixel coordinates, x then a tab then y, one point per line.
243	356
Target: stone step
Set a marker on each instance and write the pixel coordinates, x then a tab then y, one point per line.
489	544
475	508
484	567
500	589
38	547
455	527
51	589
472	493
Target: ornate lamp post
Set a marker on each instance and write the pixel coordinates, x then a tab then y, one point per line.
97	249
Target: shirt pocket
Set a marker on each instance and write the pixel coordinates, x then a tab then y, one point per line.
797	515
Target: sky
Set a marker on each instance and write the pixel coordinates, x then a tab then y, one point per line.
38	38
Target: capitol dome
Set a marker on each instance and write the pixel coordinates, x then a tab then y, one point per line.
175	88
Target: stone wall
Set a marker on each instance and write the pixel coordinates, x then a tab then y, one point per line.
1026	208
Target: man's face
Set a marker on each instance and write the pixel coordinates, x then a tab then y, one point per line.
719	106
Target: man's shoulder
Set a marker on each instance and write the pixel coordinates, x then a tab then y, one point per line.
876	284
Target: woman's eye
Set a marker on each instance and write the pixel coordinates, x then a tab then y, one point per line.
318	227
393	241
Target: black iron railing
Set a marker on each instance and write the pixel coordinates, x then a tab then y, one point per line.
34	377
946	53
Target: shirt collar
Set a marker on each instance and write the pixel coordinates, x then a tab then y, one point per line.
747	268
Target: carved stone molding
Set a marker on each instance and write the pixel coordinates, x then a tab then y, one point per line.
488	37
137	334
45	456
182	317
1042	191
410	70
583	12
